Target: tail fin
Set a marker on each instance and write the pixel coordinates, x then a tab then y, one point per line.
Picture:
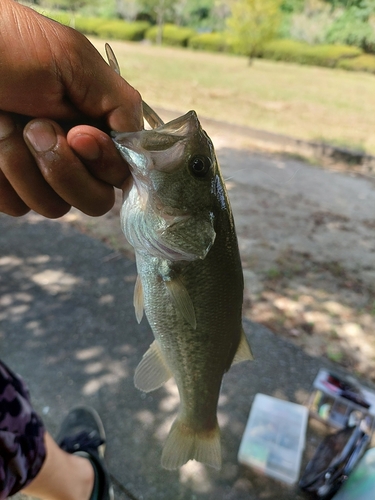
184	444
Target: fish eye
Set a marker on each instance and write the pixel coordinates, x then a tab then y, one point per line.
200	165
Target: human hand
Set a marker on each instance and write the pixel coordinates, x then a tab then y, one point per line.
53	73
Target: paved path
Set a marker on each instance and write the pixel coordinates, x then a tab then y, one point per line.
67	325
281	203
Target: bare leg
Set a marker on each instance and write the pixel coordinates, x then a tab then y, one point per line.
63	476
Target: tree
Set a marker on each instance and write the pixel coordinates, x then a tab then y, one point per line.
353	27
219	14
253	23
202	15
160	9
128	9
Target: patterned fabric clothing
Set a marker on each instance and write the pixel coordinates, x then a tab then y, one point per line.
22	450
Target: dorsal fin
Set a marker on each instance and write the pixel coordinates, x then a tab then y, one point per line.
151	117
112	60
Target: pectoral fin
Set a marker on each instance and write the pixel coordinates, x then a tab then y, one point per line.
152	372
182	301
138	299
244	351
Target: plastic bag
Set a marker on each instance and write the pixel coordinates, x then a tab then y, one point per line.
333	461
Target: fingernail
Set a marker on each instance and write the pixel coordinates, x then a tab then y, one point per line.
86	146
42	136
6	126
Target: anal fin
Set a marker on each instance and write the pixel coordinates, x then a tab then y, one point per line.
244	350
152	371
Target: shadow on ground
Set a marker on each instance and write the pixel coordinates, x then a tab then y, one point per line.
68	327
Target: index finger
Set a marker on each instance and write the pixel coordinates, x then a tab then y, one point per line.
99	154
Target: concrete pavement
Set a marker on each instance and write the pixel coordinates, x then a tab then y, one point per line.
67	326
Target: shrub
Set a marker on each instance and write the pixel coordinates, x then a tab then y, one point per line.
302	53
172	35
100	26
123	30
364	62
213	42
59	16
89	25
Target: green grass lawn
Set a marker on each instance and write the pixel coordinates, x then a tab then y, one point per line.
306	102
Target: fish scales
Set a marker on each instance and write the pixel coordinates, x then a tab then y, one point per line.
178	219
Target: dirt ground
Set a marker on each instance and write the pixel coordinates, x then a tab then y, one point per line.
307	242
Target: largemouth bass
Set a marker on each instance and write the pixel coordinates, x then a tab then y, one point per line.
178	218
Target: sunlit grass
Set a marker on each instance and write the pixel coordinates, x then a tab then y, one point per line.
306	102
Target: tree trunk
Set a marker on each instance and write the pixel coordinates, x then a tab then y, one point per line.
160	11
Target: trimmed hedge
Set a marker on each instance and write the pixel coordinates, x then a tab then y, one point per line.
105	28
172	35
341	56
214	42
303	53
364	62
59	16
123	30
89	25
